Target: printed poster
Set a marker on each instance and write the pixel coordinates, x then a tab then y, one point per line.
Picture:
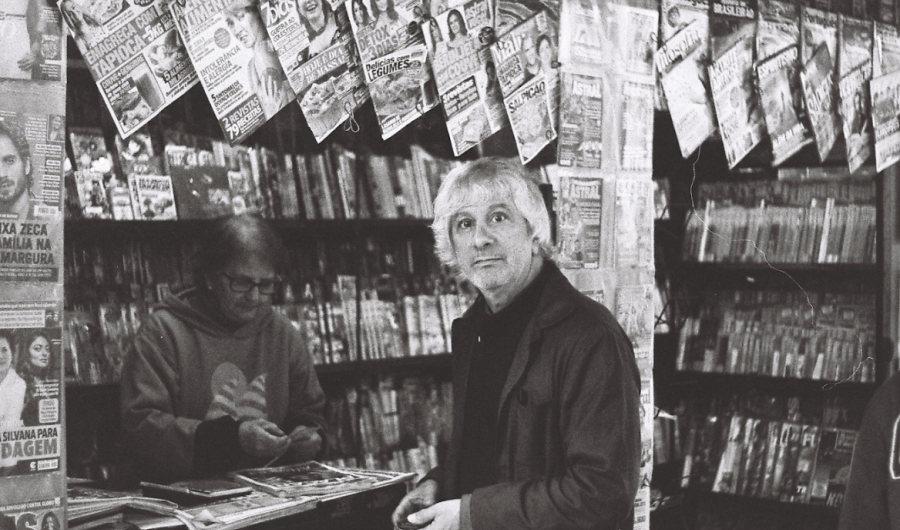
236	62
135	55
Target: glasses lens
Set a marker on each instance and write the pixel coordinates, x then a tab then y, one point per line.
241	285
266	286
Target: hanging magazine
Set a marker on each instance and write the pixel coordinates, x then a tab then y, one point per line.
317	52
578	222
401	86
855	41
32	40
381	27
885	123
817	78
634	214
816	28
580	120
635	141
530	117
679	14
782	104
465	75
739	116
238	67
777	28
854	90
681	64
579	41
135	55
885	50
635	39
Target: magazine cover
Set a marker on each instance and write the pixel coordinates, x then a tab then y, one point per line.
316	50
885	123
235	60
635	140
312	479
529	115
136	154
679	14
634	216
636	38
782	104
634	310
578	222
681	62
817	78
855	42
152	197
381	27
854	91
885	50
401	86
816	28
581	120
135	55
731	21
579	41
32	40
777	28
201	190
516	53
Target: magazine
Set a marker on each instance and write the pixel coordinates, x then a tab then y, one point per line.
635	142
855	41
636	38
245	510
816	28
152	197
817	78
516	53
530	117
581	121
679	14
885	49
401	86
201	190
634	216
312	479
634	311
32	40
681	62
731	21
777	28
135	55
379	32
854	111
579	41
578	222
782	104
885	123
236	62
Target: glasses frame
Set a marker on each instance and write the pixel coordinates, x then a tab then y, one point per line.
259	285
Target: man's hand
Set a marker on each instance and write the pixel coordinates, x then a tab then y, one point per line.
261	438
441	516
305	443
422	496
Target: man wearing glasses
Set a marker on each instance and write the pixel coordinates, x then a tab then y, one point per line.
217	380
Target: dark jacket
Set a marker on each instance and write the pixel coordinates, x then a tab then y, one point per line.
569	430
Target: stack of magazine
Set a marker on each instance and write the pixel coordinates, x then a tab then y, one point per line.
91	507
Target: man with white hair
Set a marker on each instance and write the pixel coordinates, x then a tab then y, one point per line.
546	388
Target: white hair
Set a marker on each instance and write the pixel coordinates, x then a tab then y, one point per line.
484	180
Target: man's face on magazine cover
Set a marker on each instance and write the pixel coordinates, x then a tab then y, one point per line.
13	172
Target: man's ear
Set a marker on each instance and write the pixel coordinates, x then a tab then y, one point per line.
28	166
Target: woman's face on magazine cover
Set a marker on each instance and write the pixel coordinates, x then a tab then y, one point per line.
311	9
545	52
245	25
382	5
359	12
39	352
5	357
455	24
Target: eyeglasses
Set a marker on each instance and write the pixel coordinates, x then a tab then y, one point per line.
245	285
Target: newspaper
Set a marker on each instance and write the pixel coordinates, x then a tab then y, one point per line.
381	27
854	109
885	50
777	27
740	120
635	140
579	41
681	62
781	104
817	27
855	43
885	123
401	86
581	120
578	222
134	54
236	62
321	61
817	78
530	117
465	75
32	40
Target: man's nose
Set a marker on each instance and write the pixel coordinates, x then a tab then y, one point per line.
483	235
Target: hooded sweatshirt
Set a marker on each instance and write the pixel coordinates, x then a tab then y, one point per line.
189	381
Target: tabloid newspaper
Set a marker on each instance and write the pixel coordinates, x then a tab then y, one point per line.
465	74
319	57
740	119
782	104
885	50
777	28
31	218
854	90
579	41
816	28
529	114
634	217
578	222
401	86
635	140
885	123
32	40
581	120
817	79
681	62
381	27
855	42
235	60
134	54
